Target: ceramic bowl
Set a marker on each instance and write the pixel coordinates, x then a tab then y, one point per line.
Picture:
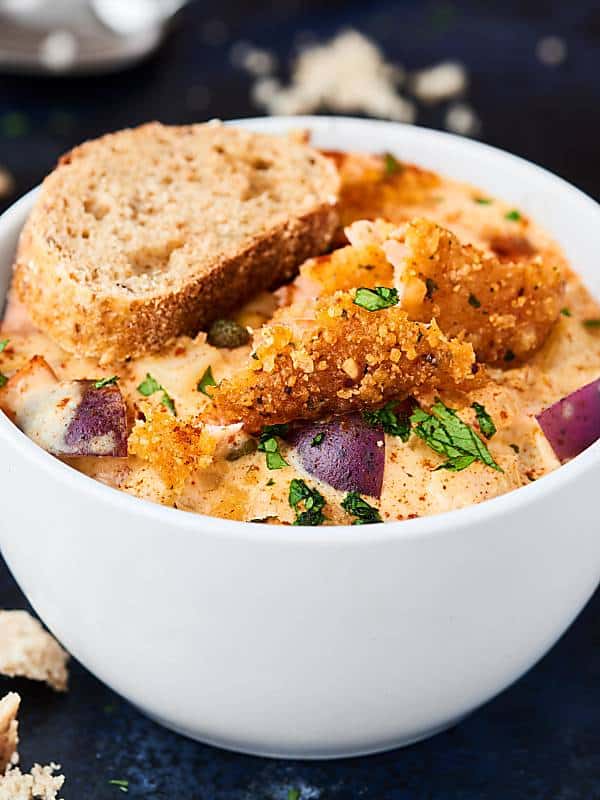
319	642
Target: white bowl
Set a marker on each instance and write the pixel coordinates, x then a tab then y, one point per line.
315	642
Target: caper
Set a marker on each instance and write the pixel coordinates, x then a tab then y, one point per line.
227	333
242	449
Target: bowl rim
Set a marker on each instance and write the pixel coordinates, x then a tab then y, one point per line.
421	527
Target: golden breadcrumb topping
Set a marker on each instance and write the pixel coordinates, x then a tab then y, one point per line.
175	448
347	358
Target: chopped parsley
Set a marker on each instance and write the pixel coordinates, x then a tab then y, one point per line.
483	201
566	312
474	301
3	378
307	503
359	508
123	785
205	381
150	385
270	482
431	287
591	323
392	423
513	215
376	299
106	382
446	434
269	445
276	430
486	423
318	440
391	164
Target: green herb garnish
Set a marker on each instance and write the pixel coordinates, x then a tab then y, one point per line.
431	287
486	423
474	301
227	333
3	378
390	421
150	385
123	785
513	215
318	440
566	312
376	299
307	503
293	794
446	434
205	381
269	445
270	482
483	201
391	164
364	513
591	323
106	382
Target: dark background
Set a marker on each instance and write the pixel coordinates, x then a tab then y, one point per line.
540	739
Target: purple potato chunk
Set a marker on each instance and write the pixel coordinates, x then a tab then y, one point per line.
99	425
573	423
344	452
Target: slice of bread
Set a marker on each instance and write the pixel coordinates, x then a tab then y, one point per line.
153	232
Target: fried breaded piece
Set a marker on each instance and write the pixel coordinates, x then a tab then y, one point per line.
342	270
175	448
346	358
506	310
379	186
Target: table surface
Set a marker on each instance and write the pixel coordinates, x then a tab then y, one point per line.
540	739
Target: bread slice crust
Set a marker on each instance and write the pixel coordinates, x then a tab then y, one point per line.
152	232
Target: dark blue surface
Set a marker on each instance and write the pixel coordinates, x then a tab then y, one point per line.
540	739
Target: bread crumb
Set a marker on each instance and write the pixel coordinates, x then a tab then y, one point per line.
442	81
461	118
253	60
551	51
9	727
346	74
58	50
7	183
39	784
29	651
